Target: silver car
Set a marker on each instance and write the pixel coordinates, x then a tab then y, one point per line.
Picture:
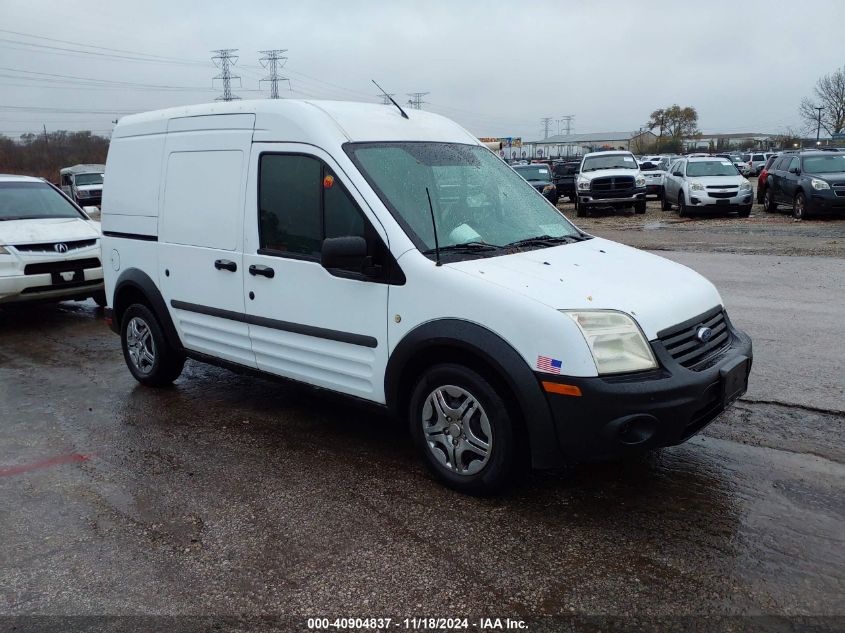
707	184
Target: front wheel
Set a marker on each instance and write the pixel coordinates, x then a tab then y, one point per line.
580	210
639	207
682	205
799	208
462	427
150	358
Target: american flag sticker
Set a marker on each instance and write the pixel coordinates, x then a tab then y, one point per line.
549	365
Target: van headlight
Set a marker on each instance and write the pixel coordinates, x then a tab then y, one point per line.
583	184
615	340
819	185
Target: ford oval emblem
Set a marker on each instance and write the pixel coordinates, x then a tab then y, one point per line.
704	334
60	247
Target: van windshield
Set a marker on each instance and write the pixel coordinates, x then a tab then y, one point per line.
475	197
33	200
88	179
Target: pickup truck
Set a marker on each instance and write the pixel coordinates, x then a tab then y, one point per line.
610	179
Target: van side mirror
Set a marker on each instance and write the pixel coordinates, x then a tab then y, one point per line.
348	253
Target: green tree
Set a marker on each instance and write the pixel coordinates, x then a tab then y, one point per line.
674	122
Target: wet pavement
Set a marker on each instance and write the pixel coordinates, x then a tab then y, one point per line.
228	494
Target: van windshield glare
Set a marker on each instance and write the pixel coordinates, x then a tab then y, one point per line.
475	196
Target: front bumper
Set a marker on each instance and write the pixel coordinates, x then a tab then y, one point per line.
619	415
826	203
743	199
44	287
621	198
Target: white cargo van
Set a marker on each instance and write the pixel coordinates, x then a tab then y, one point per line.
392	258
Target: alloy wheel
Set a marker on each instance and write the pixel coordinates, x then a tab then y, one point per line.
140	345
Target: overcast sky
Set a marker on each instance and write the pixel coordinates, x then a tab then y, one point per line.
496	67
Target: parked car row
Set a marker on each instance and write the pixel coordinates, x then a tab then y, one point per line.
810	182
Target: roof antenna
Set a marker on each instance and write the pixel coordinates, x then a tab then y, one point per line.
433	226
391	99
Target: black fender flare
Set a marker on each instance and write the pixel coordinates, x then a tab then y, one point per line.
501	357
141	281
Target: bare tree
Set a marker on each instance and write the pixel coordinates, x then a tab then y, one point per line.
828	94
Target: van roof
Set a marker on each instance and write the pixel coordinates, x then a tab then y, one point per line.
298	120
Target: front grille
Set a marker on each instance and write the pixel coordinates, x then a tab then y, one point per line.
684	346
612	184
839	190
721	194
50	247
65	265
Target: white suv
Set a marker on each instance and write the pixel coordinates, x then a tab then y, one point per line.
390	257
706	184
609	179
49	247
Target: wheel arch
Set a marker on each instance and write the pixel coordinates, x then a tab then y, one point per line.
136	286
483	351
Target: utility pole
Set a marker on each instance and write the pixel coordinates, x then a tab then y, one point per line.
416	99
819	126
46	142
546	122
274	60
224	60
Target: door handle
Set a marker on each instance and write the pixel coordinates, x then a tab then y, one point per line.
225	264
264	271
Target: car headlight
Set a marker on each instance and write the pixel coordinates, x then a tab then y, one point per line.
583	185
640	181
696	186
819	185
745	185
615	340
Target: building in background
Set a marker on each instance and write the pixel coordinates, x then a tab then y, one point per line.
563	145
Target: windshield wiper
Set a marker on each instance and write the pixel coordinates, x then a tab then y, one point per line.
466	247
548	240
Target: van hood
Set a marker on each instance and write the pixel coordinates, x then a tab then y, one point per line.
602	173
46	230
598	274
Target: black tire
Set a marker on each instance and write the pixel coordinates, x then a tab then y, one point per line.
166	364
100	298
497	469
799	207
580	211
744	212
769	204
571	198
761	192
639	207
665	205
682	205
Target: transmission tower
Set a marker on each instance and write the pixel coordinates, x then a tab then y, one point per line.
385	97
224	60
546	122
566	119
416	100
274	60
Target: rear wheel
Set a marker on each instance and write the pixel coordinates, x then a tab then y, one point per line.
769	204
150	358
462	427
799	207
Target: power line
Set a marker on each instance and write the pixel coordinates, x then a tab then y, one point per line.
224	60
274	60
416	99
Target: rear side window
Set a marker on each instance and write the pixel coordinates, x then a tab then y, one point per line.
301	202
